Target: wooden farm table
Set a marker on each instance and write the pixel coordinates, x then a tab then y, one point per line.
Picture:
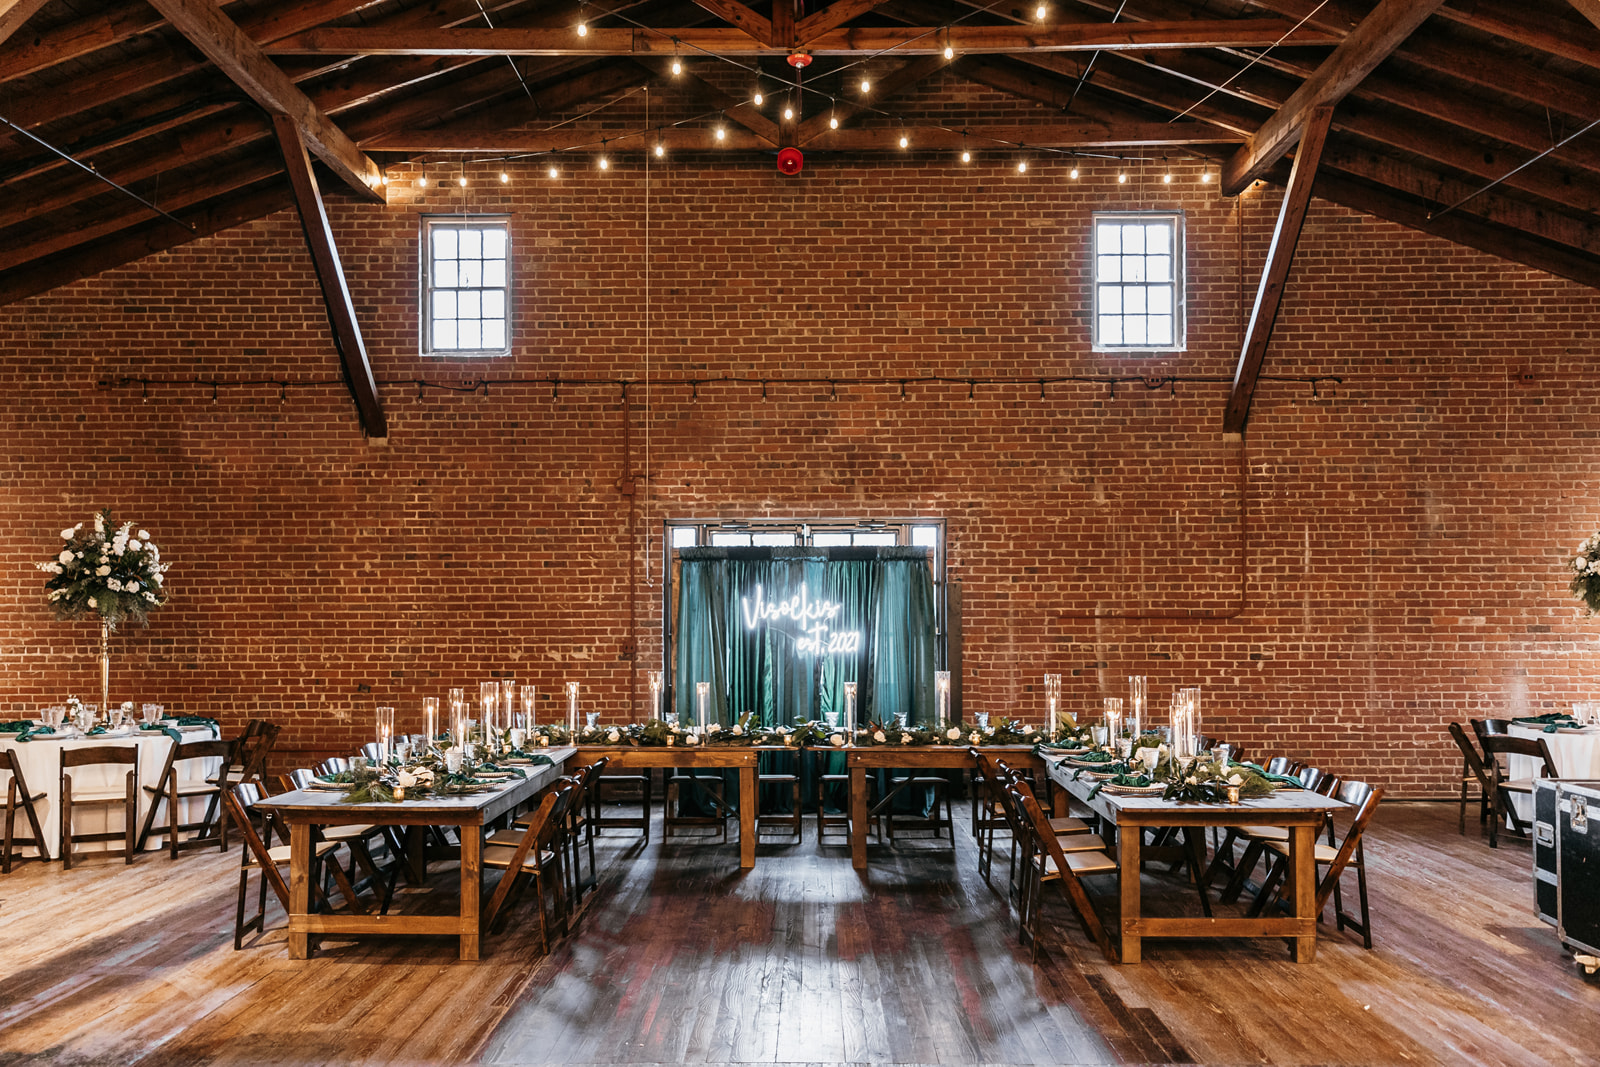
931	757
305	808
1300	811
741	758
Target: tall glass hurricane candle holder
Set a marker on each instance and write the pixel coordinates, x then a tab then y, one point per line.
850	711
702	707
489	701
655	695
1181	734
941	691
385	731
1136	707
430	718
1113	712
572	708
1052	703
508	704
458	715
530	696
1193	693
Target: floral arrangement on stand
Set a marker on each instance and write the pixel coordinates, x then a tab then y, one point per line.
116	575
1585	567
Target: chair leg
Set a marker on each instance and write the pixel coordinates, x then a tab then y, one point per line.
1241	872
1269	886
11	826
238	919
1465	772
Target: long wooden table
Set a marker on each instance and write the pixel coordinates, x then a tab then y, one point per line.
1300	811
931	757
741	758
306	808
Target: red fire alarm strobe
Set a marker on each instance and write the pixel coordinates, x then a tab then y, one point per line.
799	60
790	161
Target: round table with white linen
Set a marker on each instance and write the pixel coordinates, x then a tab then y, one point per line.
1576	753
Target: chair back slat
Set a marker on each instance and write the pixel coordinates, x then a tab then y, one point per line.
1279	765
90	755
1536	748
240	800
1470	758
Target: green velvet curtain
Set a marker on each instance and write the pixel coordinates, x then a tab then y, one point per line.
884	595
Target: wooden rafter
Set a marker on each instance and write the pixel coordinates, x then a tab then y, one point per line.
1589	9
759	27
889	85
1379	34
242	60
1275	272
904	41
13	13
783	28
831	17
1526	25
330	275
737	109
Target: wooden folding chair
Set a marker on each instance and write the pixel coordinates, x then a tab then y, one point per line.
1502	786
169	788
534	852
1336	857
1053	863
18	796
127	797
1472	770
256	851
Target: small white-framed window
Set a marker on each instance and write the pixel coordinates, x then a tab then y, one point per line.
1138	281
466	285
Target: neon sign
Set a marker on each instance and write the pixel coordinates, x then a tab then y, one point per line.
811	619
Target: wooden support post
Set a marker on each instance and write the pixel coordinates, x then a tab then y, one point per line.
330	275
1275	272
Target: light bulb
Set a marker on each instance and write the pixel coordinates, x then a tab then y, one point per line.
788	113
383	179
905	142
966	157
721	133
677	66
553	172
661	149
866	86
949	53
759	98
1073	173
1022	166
423	181
1039	12
504	178
605	164
583	29
1166	179
462	181
1205	175
1122	179
833	122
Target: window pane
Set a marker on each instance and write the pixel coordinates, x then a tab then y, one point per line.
1158	239
730	539
469	303
1158	268
1111	329
471	244
684	536
494	304
444	304
1133	330
1160	329
1133	268
1111	299
1110	238
1159	298
471	333
494	244
444	244
444	333
1133	239
494	272
445	274
471	272
494	334
925	535
824	540
876	538
1110	268
1133	300
787	538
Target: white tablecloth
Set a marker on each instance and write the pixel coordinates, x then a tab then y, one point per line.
1576	752
41	766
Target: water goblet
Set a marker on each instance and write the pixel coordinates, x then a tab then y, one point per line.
982	719
591	719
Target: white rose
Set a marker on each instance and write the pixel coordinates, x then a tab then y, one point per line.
879	736
1234	779
133	546
837	740
405	779
954	733
713	728
691	740
66	556
905	739
102	570
92	603
1578	563
150	597
66	535
737	730
114	585
99	524
144	535
613	737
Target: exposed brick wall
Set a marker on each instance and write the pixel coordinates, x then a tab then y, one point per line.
1394	561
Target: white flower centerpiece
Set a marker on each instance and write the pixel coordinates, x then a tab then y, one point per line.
113	572
1585	567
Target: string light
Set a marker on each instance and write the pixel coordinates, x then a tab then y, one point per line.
1122	178
583	28
423	181
661	149
966	156
677	65
905	142
833	122
505	179
553	172
759	99
1022	166
462	181
722	133
949	53
1039	12
1073	173
788	113
605	164
1205	176
1166	179
866	86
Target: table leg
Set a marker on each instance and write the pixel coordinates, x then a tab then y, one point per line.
1303	889
299	888
748	803
416	857
1129	840
471	888
1058	800
858	818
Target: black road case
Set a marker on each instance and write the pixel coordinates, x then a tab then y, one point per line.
1578	865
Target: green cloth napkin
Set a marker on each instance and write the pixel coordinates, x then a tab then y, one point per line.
19	726
96	731
518	771
29	735
1071	745
1281	779
1554	718
155	727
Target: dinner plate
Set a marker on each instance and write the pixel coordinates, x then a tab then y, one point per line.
1133	790
1089	763
1065	751
317	784
1101	776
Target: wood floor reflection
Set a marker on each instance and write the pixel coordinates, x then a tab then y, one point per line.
683	959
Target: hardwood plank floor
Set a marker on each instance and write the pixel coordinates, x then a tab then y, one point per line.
684	959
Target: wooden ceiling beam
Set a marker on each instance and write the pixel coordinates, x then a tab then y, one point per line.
735	14
887	85
831	17
783	29
1528	25
1379	34
74	40
13	13
904	41
1589	9
1275	272
330	276
242	60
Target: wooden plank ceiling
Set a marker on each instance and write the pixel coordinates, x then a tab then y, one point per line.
1455	118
